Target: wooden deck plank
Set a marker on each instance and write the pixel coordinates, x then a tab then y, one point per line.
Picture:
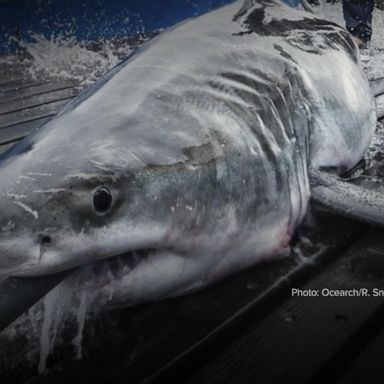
39	100
368	365
16	132
27	82
31	114
297	341
34	89
13	82
13	71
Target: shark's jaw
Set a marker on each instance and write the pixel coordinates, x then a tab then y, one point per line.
60	252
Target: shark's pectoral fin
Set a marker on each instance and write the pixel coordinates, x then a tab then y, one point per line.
351	198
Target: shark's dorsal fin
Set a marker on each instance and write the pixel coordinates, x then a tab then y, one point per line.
350	198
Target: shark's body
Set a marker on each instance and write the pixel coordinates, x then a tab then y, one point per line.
199	146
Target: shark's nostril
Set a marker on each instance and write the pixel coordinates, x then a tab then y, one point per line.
44	239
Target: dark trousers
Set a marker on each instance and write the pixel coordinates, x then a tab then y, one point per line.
358	18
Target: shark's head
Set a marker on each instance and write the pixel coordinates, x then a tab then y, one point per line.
71	205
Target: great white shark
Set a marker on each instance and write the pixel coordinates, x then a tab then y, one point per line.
203	148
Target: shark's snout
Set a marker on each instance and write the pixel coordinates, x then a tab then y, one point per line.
20	245
23	240
18	255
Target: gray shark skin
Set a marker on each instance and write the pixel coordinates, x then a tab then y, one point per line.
197	148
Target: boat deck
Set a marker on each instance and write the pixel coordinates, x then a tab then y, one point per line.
27	103
246	329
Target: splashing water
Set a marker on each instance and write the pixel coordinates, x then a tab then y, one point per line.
65	58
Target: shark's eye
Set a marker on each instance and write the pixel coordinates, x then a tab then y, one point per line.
102	199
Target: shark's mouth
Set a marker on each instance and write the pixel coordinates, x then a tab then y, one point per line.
28	290
119	264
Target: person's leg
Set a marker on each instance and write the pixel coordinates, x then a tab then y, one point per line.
292	3
358	18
